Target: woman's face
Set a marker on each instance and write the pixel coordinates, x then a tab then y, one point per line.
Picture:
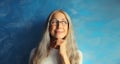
58	25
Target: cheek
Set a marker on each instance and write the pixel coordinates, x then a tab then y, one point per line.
66	30
52	29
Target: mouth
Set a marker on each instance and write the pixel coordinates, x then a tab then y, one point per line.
59	31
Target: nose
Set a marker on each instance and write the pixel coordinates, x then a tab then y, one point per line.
59	25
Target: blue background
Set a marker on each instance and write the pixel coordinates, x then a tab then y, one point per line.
96	25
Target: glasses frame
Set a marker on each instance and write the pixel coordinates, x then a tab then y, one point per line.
55	22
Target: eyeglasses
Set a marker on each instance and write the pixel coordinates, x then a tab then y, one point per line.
56	22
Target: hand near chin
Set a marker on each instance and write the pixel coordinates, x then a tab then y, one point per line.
62	51
61	44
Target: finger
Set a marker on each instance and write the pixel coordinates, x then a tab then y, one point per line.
59	41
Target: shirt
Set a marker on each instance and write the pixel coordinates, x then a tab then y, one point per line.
53	57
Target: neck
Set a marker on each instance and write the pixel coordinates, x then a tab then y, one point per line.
53	43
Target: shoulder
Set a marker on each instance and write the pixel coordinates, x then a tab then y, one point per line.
31	54
80	53
81	56
33	51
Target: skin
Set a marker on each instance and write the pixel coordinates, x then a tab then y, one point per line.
58	32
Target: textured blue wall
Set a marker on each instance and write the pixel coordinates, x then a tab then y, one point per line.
96	25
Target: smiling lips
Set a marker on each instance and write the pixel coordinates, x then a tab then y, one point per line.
59	31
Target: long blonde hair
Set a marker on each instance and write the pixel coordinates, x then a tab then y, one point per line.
43	48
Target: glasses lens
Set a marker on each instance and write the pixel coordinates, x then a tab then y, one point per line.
55	22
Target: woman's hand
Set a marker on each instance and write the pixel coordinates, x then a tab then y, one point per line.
62	46
62	50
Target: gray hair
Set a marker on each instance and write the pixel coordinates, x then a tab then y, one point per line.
43	47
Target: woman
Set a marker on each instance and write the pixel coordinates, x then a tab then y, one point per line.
58	45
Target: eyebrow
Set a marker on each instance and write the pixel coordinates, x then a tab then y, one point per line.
64	19
57	19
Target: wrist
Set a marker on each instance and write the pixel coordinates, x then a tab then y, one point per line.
63	52
65	59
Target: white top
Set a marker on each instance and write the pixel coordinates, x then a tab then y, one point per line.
53	57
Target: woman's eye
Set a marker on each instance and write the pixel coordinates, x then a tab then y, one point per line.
64	22
53	21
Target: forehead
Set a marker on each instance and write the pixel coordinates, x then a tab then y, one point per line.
59	15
